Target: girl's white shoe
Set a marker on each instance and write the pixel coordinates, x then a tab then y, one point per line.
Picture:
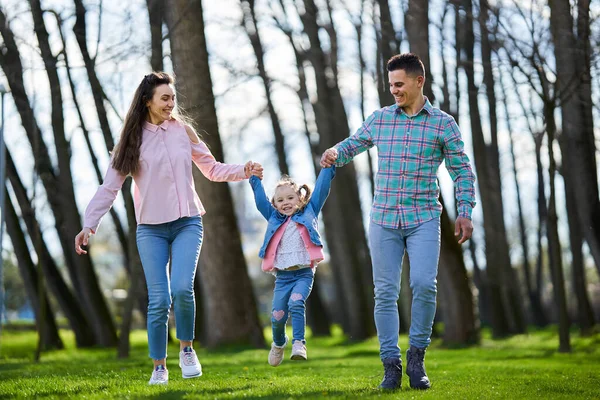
160	376
298	350
276	353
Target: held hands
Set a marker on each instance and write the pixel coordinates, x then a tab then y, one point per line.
465	226
329	157
252	168
82	239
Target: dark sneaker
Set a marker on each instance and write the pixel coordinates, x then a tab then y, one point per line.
392	374
415	368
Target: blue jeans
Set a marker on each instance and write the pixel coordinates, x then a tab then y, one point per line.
387	249
182	240
289	297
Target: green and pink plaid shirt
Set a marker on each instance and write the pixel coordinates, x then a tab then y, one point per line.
411	149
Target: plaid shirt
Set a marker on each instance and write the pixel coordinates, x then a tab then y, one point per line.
411	149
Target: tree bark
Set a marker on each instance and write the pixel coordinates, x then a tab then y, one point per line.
416	22
230	305
573	84
59	190
50	337
554	248
504	291
388	46
67	302
156	11
345	236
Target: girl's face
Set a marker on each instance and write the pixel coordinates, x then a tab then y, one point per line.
286	200
161	105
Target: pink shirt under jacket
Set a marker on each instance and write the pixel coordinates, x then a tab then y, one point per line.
163	187
314	252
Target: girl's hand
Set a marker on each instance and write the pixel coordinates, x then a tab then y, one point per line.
329	157
82	239
255	169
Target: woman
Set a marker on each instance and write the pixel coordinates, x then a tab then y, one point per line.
157	148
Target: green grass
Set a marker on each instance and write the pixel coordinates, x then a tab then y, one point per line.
522	367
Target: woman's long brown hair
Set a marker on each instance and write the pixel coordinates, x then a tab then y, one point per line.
126	153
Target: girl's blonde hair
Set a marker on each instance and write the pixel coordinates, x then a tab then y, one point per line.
285	180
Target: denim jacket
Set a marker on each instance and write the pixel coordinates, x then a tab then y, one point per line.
308	216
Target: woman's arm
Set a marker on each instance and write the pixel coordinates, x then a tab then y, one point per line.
211	168
99	205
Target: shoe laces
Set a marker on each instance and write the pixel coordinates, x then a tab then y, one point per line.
390	371
188	357
298	345
159	373
416	362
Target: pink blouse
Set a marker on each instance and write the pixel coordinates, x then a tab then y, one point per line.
163	187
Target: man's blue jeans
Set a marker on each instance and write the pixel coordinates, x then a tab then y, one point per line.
387	249
292	288
182	240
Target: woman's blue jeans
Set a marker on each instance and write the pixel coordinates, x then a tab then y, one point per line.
292	288
387	249
181	240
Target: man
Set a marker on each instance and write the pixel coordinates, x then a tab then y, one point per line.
412	139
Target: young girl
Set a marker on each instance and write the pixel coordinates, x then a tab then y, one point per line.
157	148
291	250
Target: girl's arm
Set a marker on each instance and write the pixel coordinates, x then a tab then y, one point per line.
322	186
260	198
211	168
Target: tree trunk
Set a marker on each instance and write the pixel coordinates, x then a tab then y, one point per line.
573	84
460	324
345	236
388	46
585	313
67	302
59	190
416	22
229	301
554	249
29	274
504	291
156	10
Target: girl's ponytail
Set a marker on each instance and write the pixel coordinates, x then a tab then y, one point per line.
304	198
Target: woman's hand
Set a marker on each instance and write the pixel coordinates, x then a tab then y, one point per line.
252	168
82	239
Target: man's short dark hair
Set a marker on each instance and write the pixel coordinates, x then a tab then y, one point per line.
409	62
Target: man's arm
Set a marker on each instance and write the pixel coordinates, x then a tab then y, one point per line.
459	167
343	152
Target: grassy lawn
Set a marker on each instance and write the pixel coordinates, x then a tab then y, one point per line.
522	367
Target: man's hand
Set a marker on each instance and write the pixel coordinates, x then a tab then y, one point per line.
465	226
329	157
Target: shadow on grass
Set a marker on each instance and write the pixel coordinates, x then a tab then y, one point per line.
238	393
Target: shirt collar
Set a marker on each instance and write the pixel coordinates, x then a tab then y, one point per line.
426	107
154	128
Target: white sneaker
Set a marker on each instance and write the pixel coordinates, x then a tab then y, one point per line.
276	353
298	350
188	361
160	376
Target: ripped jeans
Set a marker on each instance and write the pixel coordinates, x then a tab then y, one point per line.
292	288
